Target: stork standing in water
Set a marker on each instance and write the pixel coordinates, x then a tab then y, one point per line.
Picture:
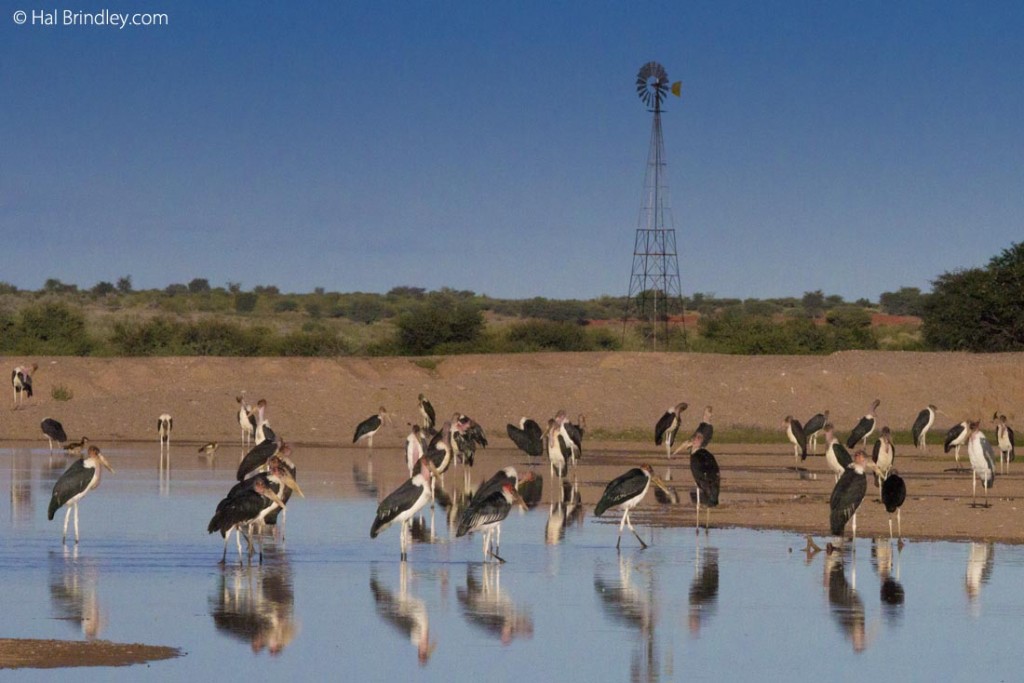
467	436
54	431
925	420
246	505
164	425
556	457
864	427
370	426
625	493
894	492
1006	441
796	435
83	476
848	494
982	457
706	475
570	437
76	448
498	480
257	458
813	427
955	438
428	418
836	456
528	436
883	455
668	426
403	503
21	380
262	431
486	514
282	473
247	421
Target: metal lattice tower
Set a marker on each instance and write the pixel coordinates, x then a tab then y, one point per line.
654	286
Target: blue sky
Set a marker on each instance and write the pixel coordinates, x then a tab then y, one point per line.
499	147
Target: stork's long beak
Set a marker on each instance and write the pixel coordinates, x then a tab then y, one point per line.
103	461
430	466
269	493
290	482
518	500
660	483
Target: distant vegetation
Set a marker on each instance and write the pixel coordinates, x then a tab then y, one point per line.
976	310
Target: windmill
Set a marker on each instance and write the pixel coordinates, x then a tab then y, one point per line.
654	287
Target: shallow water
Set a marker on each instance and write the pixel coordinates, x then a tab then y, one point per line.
328	600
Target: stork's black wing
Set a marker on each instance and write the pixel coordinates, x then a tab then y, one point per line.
54	430
919	424
800	435
621	489
862	429
846	498
493	484
368	425
894	492
707	430
476	433
256	458
664	422
71	483
815	424
396	502
431	415
706	474
525	441
1013	444
240	508
576	434
952	435
843	456
493	508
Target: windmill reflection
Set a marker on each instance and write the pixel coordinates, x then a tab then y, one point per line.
406	612
256	604
979	571
21	486
73	592
891	593
845	603
634	608
566	511
703	588
487	606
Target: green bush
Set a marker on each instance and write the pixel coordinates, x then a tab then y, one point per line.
49	329
439	322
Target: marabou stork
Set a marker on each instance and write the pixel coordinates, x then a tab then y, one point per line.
894	492
706	475
797	437
848	494
414	448
1005	440
705	429
279	466
246	420
164	425
625	493
467	436
487	513
982	457
836	456
257	458
83	476
553	445
76	448
955	438
21	380
403	503
883	455
667	427
428	418
498	480
864	428
569	437
246	505
439	451
813	427
528	436
54	431
925	420
370	426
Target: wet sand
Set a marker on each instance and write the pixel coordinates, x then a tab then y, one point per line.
27	653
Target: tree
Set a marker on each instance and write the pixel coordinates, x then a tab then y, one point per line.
124	284
245	302
199	285
814	303
103	288
905	301
438	321
979	309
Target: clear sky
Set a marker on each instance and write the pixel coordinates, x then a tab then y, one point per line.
852	147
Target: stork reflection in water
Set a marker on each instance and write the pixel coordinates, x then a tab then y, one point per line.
486	606
256	605
73	592
628	599
703	588
979	572
404	611
844	602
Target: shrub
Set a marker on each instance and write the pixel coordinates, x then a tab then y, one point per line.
61	393
439	321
